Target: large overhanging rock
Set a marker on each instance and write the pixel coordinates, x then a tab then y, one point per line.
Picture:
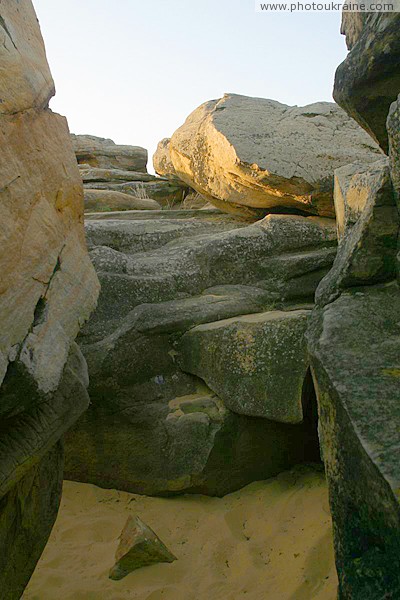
162	162
106	154
48	289
368	81
257	155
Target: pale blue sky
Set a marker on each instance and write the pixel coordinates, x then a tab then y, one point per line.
132	70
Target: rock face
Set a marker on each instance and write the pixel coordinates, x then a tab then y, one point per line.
139	547
261	366
393	126
368	81
107	200
162	162
254	155
48	289
165	192
354	339
152	427
105	154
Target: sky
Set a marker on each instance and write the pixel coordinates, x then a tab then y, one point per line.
133	70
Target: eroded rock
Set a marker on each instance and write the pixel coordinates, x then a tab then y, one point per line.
368	80
253	155
107	200
103	153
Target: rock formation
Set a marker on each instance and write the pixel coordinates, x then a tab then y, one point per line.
162	161
122	171
48	289
354	330
368	81
153	426
251	155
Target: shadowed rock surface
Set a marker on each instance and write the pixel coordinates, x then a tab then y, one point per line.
354	338
152	428
368	80
251	155
48	289
107	200
139	547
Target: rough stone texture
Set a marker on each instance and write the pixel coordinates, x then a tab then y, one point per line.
252	154
95	175
139	547
367	250
27	515
393	127
162	162
48	289
107	200
256	363
105	154
354	342
167	193
368	81
151	428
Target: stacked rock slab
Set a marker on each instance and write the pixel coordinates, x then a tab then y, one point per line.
156	425
354	336
115	177
48	289
253	155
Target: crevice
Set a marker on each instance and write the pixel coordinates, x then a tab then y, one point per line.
4	26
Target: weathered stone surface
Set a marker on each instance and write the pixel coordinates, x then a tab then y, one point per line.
162	162
253	154
92	174
27	515
139	547
26	79
256	363
48	289
167	193
106	154
354	344
152	428
285	255
393	127
369	218
107	200
368	81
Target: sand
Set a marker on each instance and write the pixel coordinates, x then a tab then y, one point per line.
272	540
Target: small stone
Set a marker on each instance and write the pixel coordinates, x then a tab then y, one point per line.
139	547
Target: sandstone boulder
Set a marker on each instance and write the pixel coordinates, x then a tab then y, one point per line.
107	200
257	155
256	363
368	217
48	289
162	162
139	547
95	175
368	81
105	154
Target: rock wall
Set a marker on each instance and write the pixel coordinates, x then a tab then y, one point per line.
354	338
48	289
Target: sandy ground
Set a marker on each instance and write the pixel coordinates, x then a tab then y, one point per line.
271	540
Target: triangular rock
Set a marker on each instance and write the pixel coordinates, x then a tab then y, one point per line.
139	547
